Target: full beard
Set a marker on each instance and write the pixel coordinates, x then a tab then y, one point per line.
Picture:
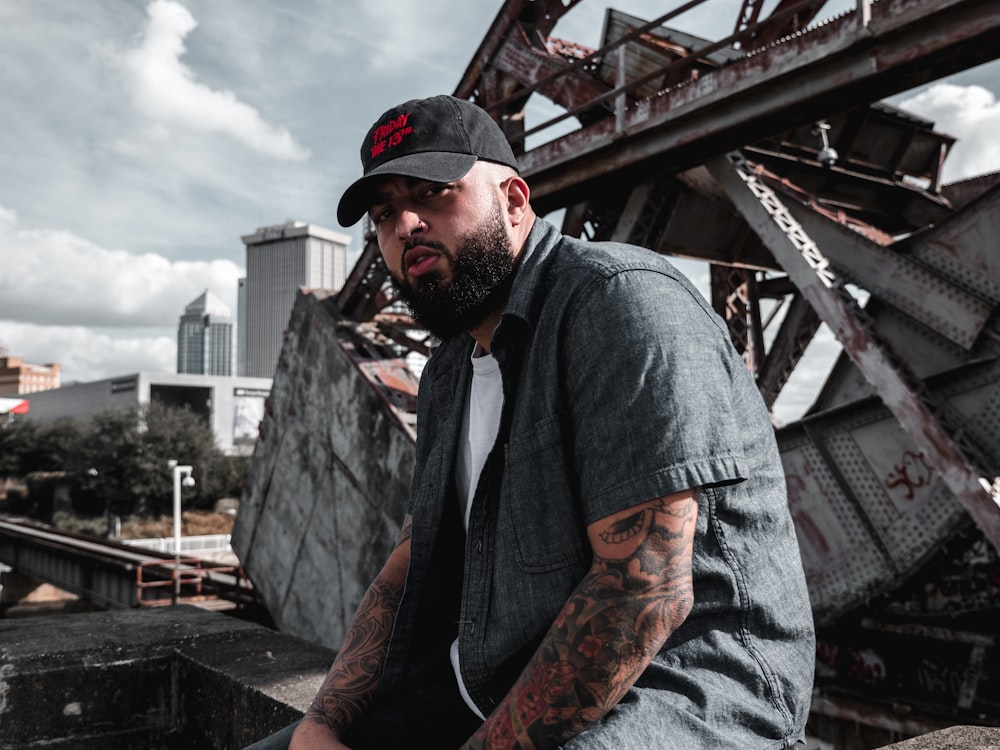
482	271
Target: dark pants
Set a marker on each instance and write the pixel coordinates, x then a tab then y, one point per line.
433	709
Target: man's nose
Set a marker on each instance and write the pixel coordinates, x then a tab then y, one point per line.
409	223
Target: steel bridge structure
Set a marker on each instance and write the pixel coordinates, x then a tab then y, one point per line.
771	155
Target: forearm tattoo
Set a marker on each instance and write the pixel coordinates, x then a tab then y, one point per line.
634	596
353	679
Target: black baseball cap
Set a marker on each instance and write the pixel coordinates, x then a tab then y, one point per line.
436	139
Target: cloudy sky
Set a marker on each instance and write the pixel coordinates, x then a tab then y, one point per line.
139	140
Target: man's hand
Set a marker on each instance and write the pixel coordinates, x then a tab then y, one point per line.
314	735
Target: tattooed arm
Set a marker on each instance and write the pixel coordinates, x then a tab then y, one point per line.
636	593
353	679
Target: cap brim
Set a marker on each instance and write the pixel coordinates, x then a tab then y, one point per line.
434	166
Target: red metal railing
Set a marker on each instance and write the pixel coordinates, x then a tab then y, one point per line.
191	579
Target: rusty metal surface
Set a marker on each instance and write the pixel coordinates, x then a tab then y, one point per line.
949	309
521	60
929	647
804	79
936	439
869	508
652	56
779	23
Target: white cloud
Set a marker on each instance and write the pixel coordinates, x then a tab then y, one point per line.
167	91
432	38
61	279
85	354
972	115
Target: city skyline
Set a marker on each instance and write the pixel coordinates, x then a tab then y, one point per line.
143	139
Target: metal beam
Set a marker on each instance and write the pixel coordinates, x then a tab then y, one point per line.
956	463
541	15
527	64
801	80
797	330
911	287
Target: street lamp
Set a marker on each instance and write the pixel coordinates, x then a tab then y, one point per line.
187	481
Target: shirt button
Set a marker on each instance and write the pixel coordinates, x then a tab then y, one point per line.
479	545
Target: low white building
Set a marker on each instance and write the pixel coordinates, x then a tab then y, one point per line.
232	406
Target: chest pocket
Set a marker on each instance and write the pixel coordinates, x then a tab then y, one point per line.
542	518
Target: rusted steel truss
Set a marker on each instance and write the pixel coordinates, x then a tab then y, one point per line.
652	105
802	80
900	390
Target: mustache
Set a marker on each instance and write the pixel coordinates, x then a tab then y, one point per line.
417	241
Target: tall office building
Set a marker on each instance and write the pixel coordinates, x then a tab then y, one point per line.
205	337
280	259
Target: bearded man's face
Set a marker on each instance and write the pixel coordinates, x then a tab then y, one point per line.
469	281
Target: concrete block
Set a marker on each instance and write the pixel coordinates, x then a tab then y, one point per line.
328	484
168	677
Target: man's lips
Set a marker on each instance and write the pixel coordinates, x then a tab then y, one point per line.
420	260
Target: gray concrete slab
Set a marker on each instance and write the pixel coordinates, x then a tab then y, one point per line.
327	488
147	679
181	677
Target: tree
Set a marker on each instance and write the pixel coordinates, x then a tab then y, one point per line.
27	447
15	437
117	459
178	433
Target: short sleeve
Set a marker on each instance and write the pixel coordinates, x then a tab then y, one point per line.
653	389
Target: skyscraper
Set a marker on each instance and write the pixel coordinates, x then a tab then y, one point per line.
280	259
205	337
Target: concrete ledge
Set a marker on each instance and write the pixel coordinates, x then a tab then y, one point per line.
181	677
953	738
167	678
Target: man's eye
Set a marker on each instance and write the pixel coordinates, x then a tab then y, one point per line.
379	216
433	190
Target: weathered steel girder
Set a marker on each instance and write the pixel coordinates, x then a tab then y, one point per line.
767	33
735	298
802	80
852	210
798	327
900	390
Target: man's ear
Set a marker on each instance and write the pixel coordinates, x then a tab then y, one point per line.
517	194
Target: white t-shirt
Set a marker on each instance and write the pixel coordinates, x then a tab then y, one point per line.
480	424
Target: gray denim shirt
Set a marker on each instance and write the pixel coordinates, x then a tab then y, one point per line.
620	385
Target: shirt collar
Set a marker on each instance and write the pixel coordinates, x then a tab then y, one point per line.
527	293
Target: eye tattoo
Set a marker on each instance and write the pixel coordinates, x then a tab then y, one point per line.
624	529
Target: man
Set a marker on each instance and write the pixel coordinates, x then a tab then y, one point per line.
597	551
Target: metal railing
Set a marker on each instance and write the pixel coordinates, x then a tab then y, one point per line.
191	579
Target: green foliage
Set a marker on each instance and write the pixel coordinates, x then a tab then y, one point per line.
27	447
117	460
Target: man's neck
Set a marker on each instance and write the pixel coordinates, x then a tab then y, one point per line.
483	333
